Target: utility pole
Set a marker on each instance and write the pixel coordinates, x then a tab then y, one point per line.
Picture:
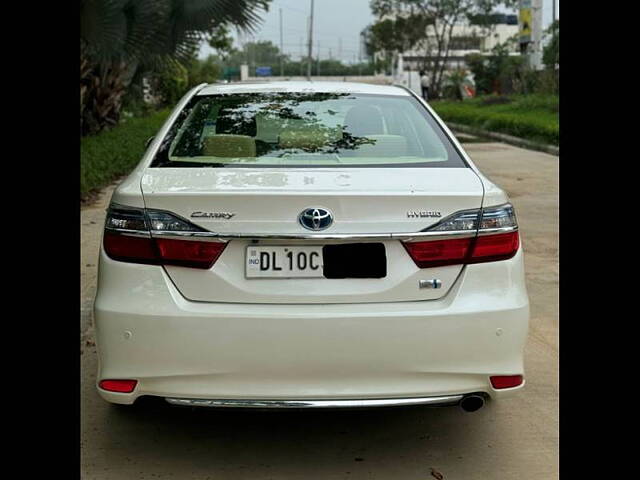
318	61
536	34
281	47
310	43
301	54
253	52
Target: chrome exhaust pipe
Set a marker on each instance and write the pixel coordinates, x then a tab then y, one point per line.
472	403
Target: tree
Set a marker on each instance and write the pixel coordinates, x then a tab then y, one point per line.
204	71
221	41
262	53
118	38
390	36
496	73
427	25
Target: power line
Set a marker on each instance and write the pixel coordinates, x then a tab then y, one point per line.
298	30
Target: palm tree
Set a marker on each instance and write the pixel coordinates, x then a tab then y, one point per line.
117	37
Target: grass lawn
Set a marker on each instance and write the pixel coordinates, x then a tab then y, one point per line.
534	117
113	153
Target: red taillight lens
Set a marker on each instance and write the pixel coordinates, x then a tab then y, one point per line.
487	248
130	249
189	253
506	381
120	386
162	251
438	253
491	248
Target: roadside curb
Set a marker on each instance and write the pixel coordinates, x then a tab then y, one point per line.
518	142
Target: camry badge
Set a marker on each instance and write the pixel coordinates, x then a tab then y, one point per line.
224	215
315	218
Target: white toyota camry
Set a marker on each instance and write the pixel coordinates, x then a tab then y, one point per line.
302	244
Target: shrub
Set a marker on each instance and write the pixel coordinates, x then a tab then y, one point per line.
170	83
495	100
113	153
533	117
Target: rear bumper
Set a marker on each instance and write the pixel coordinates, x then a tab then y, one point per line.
180	349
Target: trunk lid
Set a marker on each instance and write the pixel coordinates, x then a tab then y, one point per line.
253	201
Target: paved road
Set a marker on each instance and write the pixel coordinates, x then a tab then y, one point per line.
513	439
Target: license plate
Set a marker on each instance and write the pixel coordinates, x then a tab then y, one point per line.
284	262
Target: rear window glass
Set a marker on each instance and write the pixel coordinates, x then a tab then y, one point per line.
305	130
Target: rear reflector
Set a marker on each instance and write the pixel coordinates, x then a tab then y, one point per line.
120	386
162	251
457	251
505	381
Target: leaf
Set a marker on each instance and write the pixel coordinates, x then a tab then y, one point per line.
436	474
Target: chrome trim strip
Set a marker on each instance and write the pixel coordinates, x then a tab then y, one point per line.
430	235
493	231
204	236
318	236
377	402
128	233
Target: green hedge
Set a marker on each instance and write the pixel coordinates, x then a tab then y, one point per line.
532	117
113	153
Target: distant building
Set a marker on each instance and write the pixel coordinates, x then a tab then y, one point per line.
468	37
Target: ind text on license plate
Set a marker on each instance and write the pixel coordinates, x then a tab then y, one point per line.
284	262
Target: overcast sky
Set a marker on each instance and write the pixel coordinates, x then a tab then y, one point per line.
336	26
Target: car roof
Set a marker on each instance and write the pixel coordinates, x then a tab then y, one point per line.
302	87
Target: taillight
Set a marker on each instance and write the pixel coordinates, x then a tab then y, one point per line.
438	253
472	236
189	253
128	248
144	236
491	248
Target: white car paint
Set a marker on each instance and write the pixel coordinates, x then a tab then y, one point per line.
213	334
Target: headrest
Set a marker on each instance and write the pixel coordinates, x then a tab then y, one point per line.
229	146
363	120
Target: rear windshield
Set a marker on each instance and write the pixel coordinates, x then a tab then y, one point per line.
305	130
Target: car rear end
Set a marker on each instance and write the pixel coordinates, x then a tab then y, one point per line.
308	247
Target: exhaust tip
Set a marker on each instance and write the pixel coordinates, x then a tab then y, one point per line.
472	403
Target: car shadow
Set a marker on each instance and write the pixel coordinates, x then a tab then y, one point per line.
325	441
